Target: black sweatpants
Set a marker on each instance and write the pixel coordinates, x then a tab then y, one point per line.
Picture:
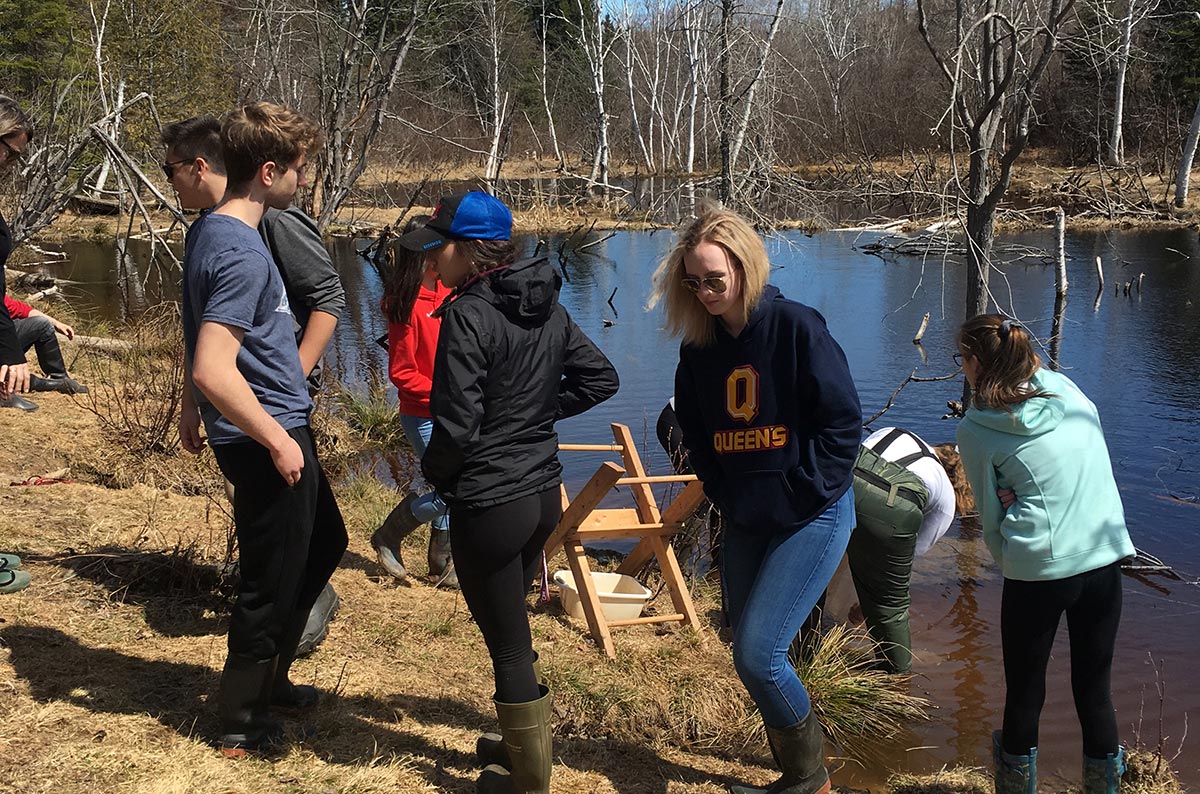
497	552
1029	615
290	540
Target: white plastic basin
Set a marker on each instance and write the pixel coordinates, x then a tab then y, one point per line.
621	597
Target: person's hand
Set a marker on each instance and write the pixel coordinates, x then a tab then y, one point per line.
63	328
189	431
289	460
14	379
1007	496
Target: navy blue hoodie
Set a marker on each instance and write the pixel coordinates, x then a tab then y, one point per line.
771	418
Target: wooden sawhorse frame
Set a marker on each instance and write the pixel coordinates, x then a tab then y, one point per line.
581	520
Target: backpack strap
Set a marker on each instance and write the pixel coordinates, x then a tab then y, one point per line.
923	450
887	441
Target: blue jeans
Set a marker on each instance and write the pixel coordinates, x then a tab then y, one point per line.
428	509
772	581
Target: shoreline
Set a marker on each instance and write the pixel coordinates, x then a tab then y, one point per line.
1086	194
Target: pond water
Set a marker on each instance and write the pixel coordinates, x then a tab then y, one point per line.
1136	356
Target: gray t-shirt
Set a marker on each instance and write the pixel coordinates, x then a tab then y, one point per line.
230	278
311	280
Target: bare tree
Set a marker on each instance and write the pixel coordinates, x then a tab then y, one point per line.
591	35
1183	173
737	101
367	45
993	55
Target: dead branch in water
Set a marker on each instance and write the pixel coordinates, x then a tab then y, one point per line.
912	378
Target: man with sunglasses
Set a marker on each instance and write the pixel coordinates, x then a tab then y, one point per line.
195	166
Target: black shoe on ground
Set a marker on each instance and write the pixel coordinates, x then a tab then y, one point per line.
17	401
63	384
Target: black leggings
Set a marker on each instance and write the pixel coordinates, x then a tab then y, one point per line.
497	552
1029	615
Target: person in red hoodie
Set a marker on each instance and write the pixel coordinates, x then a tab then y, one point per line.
411	295
38	330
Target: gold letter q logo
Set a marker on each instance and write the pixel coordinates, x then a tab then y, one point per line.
741	394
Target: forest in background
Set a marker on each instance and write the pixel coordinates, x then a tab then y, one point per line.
737	88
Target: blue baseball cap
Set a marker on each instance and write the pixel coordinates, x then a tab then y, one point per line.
472	216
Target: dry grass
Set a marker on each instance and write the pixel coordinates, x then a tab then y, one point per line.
954	780
1148	772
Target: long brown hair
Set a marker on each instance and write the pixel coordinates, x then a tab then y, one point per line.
404	277
1006	361
487	255
964	498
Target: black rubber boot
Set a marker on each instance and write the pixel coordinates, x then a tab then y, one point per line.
284	693
18	402
63	384
526	731
441	565
319	617
243	707
387	539
800	753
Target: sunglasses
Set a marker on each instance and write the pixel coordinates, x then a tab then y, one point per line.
169	166
14	154
958	359
714	283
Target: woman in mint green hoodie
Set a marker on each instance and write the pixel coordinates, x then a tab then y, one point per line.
1035	456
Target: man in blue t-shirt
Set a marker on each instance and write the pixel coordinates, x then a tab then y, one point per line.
244	380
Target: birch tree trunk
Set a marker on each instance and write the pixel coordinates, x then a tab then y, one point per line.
1184	174
1115	153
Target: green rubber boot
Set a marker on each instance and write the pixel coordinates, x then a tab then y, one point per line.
1014	774
1103	775
489	747
526	731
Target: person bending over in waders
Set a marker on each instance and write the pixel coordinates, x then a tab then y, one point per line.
771	422
244	379
510	363
903	502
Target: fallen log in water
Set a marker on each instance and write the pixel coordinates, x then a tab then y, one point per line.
103	344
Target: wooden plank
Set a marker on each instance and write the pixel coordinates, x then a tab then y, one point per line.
615	517
614	624
634	531
669	567
642	494
592	612
657	478
589	447
637	557
582	505
683	505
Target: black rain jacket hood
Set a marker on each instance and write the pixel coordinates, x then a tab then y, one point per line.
510	363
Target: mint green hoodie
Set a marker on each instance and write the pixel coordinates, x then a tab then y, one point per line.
1068	517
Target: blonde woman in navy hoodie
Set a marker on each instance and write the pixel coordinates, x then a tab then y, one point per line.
1034	453
772	424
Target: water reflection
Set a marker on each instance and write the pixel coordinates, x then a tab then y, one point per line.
1135	356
